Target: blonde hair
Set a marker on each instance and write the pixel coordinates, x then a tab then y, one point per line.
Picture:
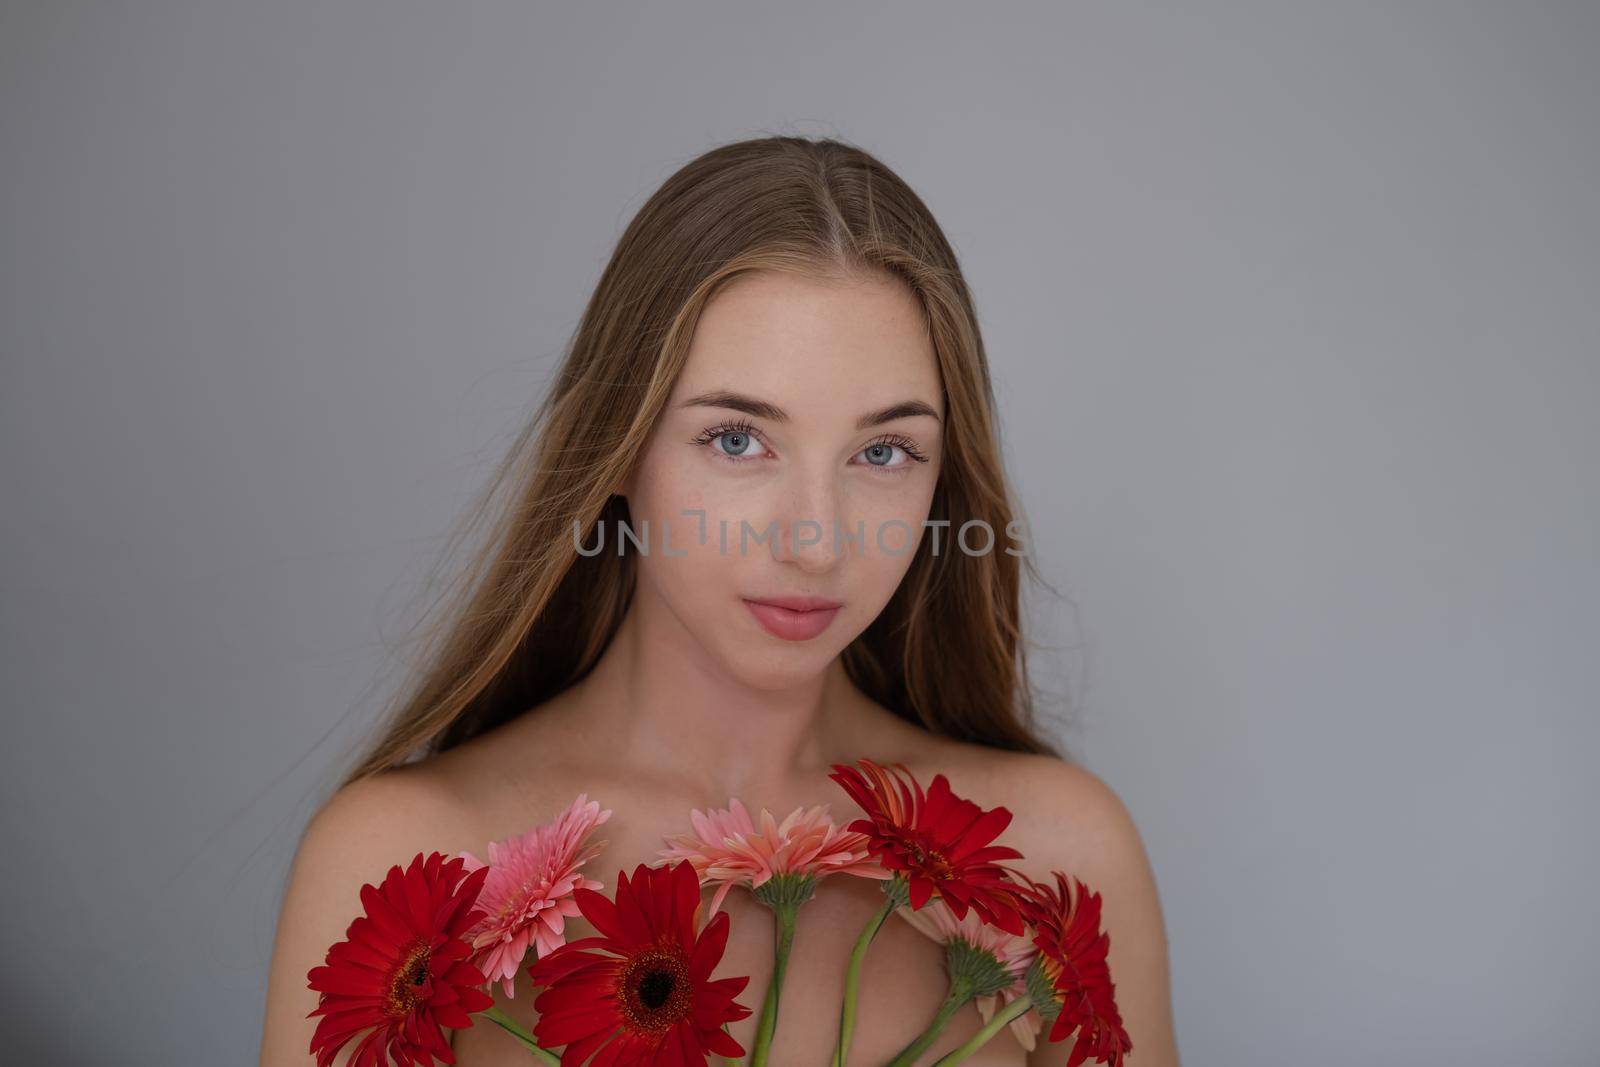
529	615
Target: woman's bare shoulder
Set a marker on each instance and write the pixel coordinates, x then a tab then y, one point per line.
1063	816
370	825
1029	784
407	802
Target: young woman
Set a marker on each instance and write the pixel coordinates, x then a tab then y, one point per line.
779	387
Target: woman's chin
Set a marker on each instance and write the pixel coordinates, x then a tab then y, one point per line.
778	669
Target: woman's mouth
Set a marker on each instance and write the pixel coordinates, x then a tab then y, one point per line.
793	618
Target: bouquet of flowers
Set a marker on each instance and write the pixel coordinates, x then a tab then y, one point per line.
436	935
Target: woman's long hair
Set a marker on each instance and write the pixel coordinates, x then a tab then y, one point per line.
529	615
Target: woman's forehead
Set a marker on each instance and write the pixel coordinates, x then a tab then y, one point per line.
796	342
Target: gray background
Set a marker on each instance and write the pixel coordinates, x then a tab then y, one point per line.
1293	315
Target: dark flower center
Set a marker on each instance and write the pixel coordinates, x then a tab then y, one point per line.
654	988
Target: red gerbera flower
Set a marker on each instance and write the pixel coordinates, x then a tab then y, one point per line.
940	840
654	995
402	969
1072	953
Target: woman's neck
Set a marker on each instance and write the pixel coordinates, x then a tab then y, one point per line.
659	701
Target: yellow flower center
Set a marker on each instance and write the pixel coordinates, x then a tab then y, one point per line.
409	985
933	862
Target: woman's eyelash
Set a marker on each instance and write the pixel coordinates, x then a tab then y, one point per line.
738	426
905	444
711	433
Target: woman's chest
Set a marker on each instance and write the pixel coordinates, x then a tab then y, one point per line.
902	979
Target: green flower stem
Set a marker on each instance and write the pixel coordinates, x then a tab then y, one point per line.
994	1026
961	991
783	919
894	895
507	1023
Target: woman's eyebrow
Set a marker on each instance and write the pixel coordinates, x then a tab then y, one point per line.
761	409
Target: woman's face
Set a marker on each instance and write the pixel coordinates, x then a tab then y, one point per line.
810	414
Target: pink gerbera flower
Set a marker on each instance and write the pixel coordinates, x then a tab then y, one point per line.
528	892
727	848
1012	953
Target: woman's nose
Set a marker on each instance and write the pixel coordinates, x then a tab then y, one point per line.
812	530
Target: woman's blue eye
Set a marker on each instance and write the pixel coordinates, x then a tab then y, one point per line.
732	442
735	442
879	454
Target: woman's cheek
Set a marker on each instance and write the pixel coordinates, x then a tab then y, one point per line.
895	520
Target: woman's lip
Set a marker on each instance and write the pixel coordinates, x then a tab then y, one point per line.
788	624
795	603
